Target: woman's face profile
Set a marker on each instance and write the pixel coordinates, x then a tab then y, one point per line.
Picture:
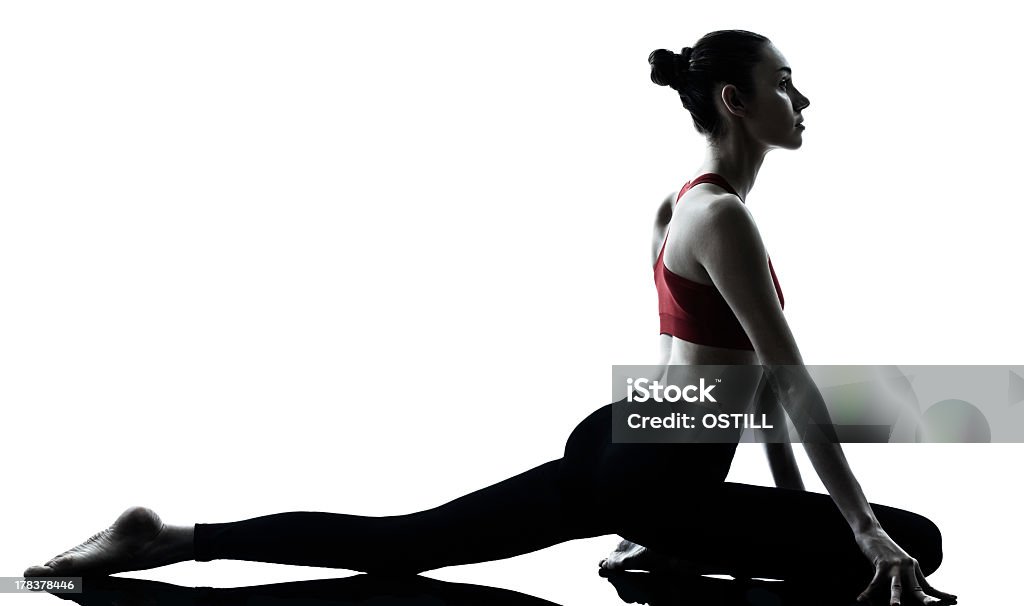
773	114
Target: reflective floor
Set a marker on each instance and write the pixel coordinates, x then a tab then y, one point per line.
631	587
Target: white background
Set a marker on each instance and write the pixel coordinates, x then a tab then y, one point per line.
364	258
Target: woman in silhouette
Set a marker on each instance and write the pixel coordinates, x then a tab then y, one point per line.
720	304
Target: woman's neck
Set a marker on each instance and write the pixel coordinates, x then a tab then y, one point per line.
738	164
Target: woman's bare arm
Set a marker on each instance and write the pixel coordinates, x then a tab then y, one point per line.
735	258
661	225
777	448
783	465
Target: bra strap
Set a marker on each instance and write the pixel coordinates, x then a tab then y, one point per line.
713	178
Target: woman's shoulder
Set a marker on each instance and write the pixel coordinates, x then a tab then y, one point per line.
705	206
699	221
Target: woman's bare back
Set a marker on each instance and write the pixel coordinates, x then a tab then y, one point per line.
681	223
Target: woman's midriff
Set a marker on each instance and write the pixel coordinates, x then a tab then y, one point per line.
677	352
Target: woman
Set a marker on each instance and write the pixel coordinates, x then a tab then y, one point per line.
720	304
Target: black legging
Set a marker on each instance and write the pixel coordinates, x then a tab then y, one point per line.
671	498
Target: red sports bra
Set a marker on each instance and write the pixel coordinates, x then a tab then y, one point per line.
697	312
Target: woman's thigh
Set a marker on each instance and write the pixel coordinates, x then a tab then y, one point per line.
608	480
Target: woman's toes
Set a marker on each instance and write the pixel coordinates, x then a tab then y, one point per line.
37	571
54	567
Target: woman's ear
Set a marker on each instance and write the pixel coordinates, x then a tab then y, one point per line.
732	100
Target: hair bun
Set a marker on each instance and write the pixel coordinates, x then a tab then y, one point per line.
667	68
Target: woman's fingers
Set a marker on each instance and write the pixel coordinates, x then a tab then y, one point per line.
923	597
905	580
923	582
874	584
896	588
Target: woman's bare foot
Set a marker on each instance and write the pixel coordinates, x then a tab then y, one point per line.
630	556
137	540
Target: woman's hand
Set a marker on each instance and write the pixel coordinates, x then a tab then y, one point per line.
896	572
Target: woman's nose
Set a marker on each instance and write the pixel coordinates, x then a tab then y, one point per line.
803	103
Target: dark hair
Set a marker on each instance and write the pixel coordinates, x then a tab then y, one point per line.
723	56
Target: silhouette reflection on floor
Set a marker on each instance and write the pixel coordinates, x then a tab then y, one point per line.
382	590
696	590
